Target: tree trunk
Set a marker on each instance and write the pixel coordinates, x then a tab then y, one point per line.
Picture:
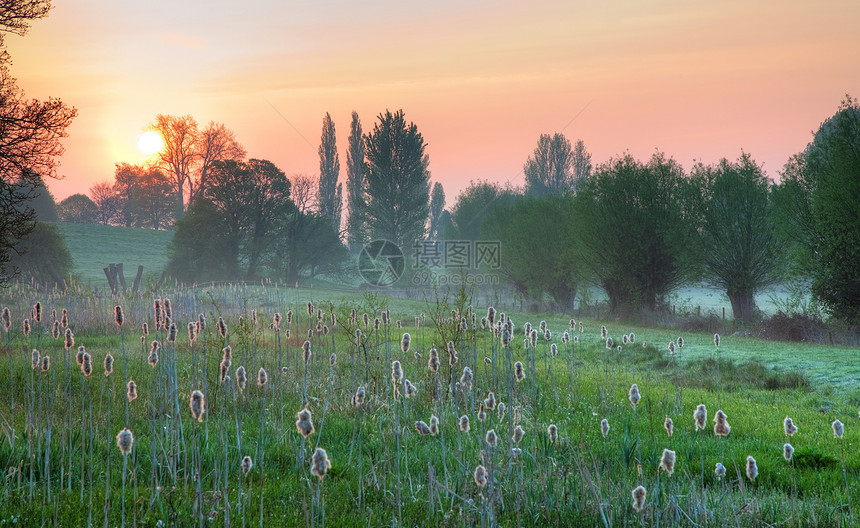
743	305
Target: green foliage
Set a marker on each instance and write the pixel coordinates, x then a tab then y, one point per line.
549	170
355	184
815	204
437	206
305	244
397	181
42	256
638	230
330	192
740	252
198	250
253	198
78	209
540	250
146	197
475	204
43	204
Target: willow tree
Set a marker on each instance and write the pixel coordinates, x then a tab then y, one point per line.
740	253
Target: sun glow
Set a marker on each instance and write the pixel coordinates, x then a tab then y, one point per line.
150	142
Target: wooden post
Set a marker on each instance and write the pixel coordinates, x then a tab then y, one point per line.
724	313
121	277
136	285
110	273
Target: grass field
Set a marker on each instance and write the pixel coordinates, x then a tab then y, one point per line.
94	246
69	471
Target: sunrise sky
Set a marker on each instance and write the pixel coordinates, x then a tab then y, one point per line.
482	80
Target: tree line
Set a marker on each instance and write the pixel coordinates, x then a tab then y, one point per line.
640	229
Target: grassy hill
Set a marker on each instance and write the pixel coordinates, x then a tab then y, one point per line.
95	246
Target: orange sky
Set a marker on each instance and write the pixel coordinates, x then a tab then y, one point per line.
482	80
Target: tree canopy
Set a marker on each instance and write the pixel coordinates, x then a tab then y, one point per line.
397	181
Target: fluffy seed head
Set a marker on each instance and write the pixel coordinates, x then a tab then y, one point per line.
667	461
700	416
46	363
241	377
788	426
553	350
25	327
490	401
79	357
396	371
639	493
405	342
247	464
35	359
131	393
500	411
609	343
466	378
717	340
37	312
482	414
262	377
125	441
306	351
304	422
7	319
481	476
222	327
64	320
491	438
55	329
87	364
145	329
108	365
671	347
118	316
837	429
633	395
198	405
463	423
669	426
409	389
721	426
720	470
604	427
422	428
680	342
320	463
752	468
358	397
518	434
519	371
171	333
552	431
434	425
787	452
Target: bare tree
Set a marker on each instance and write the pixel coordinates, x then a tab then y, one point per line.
177	157
188	153
216	143
303	193
30	134
108	202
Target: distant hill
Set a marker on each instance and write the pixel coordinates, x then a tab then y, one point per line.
94	246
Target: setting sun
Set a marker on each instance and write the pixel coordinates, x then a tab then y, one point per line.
150	142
